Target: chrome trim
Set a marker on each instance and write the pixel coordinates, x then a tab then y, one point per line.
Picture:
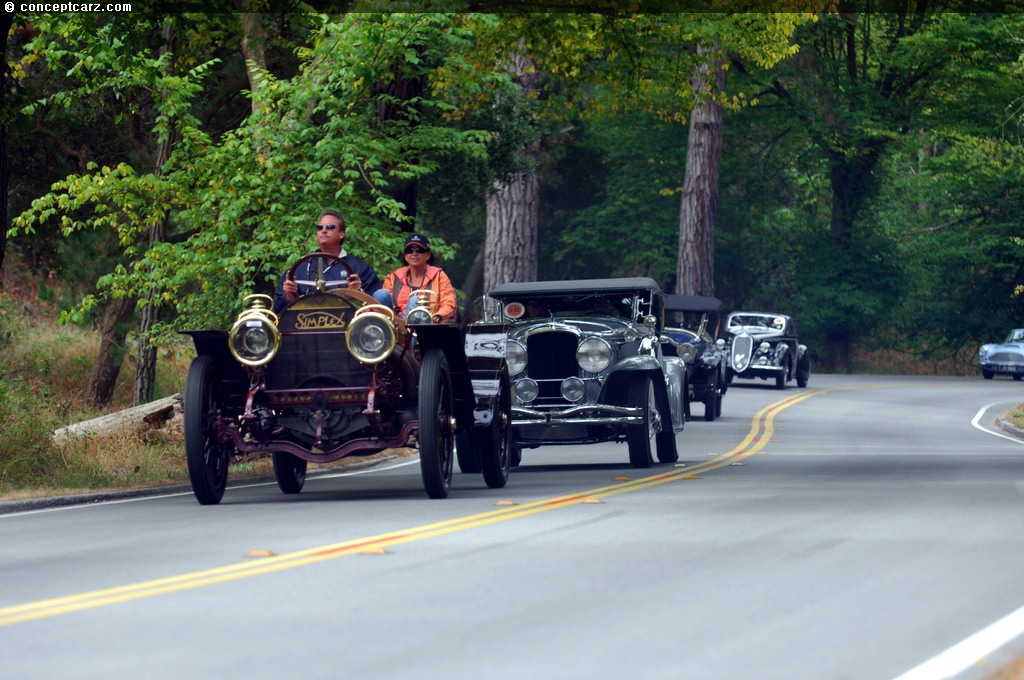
616	415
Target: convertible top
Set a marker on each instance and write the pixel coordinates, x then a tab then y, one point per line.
692	303
511	290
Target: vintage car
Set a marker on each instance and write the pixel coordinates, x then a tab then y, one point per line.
336	374
691	332
1006	358
764	345
586	366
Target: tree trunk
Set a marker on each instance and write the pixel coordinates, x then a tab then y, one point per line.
513	208
511	242
6	21
145	370
103	378
253	40
695	270
471	284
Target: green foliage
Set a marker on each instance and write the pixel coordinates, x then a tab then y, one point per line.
636	166
241	206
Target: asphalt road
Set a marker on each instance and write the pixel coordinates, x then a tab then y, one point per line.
865	527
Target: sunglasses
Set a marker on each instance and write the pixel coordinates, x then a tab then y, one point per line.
415	249
328	227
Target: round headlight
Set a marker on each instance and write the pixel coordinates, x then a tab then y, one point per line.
687	352
370	338
525	390
254	340
572	389
764	346
515	356
593	355
419	315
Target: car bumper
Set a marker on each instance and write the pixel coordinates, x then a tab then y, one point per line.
761	372
1009	369
584	414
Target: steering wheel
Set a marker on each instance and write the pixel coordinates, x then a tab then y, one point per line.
426	297
322	286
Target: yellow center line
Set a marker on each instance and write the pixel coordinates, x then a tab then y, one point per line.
760	434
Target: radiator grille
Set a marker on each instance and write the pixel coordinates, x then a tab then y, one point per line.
1005	358
313	352
552	358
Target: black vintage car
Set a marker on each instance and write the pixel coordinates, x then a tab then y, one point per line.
691	332
586	366
336	374
764	345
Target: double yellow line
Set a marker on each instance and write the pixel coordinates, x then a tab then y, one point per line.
760	434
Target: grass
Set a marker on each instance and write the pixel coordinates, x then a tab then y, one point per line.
1016	418
44	371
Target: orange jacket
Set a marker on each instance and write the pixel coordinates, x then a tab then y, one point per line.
397	283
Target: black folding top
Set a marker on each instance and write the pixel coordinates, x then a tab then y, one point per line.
692	303
511	290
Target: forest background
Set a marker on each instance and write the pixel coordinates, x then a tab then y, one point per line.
862	171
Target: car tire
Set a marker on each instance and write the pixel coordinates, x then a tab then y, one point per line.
987	375
207	458
290	472
802	378
780	379
638	437
436	436
466	454
493	442
711	398
515	456
1018	377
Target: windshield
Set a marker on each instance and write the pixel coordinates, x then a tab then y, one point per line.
1016	335
616	305
756	323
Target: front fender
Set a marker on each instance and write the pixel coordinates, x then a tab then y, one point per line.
675	387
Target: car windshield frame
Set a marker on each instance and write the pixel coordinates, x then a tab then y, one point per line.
627	299
1015	336
756	322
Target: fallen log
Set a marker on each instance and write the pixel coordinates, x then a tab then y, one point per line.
135	420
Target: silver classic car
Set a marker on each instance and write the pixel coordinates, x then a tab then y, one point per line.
764	345
586	364
1006	358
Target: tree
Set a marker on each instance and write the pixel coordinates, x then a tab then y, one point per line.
695	274
6	22
238	206
863	82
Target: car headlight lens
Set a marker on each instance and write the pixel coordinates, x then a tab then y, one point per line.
686	352
593	355
419	315
370	338
525	390
573	389
764	346
254	340
515	356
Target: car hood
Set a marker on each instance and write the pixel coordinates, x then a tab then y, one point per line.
589	326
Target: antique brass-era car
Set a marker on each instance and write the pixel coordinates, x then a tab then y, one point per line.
1006	358
586	366
764	345
691	332
336	374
